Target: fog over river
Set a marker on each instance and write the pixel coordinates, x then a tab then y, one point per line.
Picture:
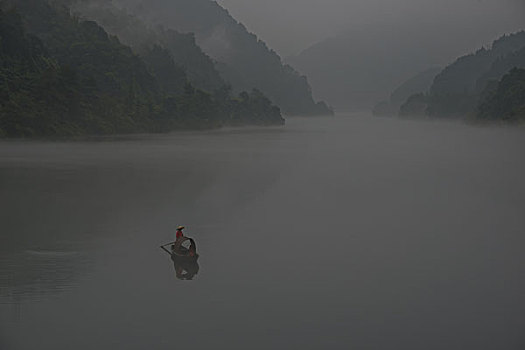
350	232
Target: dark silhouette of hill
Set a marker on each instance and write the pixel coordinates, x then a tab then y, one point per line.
243	60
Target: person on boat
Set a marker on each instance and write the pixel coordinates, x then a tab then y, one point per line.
179	233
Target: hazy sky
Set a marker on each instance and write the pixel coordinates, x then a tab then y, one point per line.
289	26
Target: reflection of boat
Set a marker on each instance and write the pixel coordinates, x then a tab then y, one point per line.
184	256
185	268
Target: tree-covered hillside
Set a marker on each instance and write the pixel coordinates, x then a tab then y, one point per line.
419	83
506	100
465	85
456	90
200	68
65	76
501	66
78	81
243	60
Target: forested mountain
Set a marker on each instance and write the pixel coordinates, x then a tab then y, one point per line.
78	80
462	76
471	80
65	76
200	68
363	65
456	89
415	106
506	100
418	83
243	60
501	66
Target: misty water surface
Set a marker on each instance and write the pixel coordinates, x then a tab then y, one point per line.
338	233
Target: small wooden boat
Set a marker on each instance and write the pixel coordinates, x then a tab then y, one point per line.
184	255
180	252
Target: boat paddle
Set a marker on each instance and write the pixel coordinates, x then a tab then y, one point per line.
163	247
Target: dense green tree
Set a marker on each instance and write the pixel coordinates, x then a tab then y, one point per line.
171	77
35	92
257	106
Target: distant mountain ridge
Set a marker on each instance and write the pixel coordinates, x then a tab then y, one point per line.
198	67
243	60
457	89
505	101
465	87
462	76
501	66
362	65
421	82
64	76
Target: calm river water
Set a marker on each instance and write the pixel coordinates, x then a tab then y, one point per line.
332	233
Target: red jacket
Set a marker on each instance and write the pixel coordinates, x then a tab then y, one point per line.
179	234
